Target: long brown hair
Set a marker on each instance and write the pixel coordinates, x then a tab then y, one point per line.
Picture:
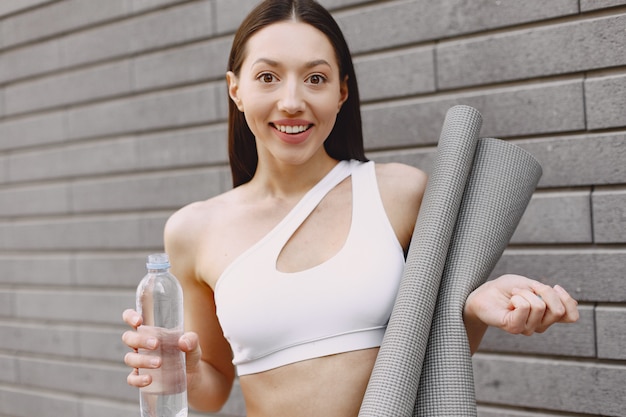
345	141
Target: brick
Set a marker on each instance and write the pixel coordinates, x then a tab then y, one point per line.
396	74
550	384
490	411
8	370
221	105
96	306
589	275
30	60
181	107
230	14
335	4
74	160
511	111
577	339
203	146
102	344
30	131
563	217
93	408
69	88
7	303
114	270
4	169
404	22
609	216
580	160
100	43
422	158
605	99
192	21
588	5
193	63
142	5
105	381
59	17
43	339
28	201
611	332
143	33
31	269
529	53
14	6
117	232
25	402
146	192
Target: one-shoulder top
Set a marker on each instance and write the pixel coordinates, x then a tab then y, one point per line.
273	318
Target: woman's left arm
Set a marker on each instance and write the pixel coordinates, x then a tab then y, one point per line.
518	305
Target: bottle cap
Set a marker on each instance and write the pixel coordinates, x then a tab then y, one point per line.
158	261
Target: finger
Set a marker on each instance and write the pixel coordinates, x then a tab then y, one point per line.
138	360
515	320
139	381
132	318
537	310
190	344
135	340
555	309
571	305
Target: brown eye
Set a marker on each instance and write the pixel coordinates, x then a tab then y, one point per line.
317	79
266	77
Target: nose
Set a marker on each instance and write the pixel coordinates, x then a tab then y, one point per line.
291	100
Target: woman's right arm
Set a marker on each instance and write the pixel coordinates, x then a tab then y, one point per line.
210	372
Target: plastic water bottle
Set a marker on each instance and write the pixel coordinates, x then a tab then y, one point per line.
160	302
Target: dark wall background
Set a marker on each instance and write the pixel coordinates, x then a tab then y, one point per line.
112	116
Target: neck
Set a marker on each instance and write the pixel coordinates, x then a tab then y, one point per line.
286	181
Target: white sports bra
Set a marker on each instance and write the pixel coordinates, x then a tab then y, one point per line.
273	318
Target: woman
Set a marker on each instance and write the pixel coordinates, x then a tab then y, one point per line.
301	260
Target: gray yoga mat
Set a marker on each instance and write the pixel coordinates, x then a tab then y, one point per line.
393	387
500	185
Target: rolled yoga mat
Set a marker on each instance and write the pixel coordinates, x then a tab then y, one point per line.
393	387
500	185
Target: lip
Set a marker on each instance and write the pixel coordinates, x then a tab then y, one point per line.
292	138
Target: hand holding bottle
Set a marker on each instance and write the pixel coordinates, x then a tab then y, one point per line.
158	362
187	343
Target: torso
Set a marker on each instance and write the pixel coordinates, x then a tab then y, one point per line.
231	223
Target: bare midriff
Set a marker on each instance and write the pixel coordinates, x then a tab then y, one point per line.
330	386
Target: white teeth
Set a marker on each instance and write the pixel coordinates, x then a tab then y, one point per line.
291	129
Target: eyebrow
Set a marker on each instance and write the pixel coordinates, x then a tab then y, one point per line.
309	64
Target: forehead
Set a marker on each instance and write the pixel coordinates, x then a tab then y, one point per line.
290	41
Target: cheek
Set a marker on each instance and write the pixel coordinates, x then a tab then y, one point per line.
256	108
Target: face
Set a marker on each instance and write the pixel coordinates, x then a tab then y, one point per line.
290	91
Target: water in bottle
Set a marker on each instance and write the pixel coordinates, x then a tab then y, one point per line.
160	302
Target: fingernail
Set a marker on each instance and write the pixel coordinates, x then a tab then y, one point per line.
155	361
145	379
151	343
187	343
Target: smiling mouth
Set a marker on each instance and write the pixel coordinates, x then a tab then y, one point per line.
292	130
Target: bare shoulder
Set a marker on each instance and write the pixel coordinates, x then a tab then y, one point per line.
192	229
401	180
401	190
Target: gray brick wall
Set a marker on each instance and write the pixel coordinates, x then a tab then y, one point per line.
112	115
